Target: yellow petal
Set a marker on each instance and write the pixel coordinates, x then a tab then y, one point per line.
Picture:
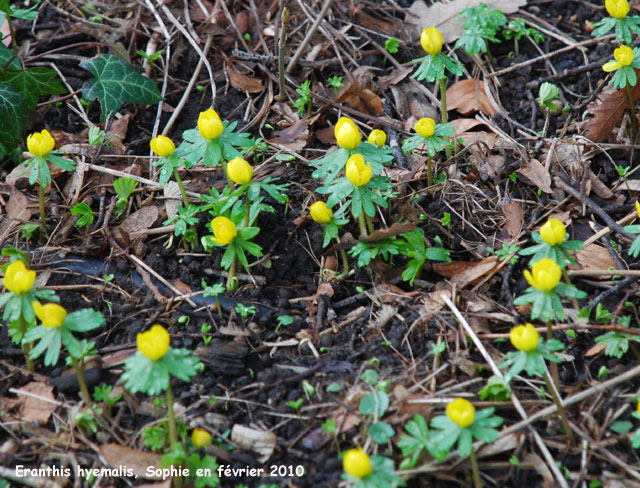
611	66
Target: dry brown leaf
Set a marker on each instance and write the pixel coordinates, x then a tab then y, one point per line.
608	113
462	125
594	257
35	409
537	174
444	16
243	82
595	350
137	223
475	272
116	456
395	229
261	442
468	96
173	198
296	136
513	214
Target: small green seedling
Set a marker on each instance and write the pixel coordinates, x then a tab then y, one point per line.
84	213
391	45
124	188
283	321
548	98
335	82
304	100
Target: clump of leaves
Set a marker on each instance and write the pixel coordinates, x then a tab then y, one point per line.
481	24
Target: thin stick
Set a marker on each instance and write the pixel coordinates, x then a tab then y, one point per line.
284	22
308	37
521	411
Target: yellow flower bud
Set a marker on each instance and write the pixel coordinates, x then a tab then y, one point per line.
153	343
40	143
200	437
426	127
240	171
162	146
553	232
461	412
209	124
377	138
638	208
524	337
347	133
618	9
18	279
356	462
544	275
358	172
431	40
623	57
320	212
638	408
50	314
224	231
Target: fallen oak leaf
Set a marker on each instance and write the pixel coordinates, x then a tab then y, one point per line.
608	113
469	96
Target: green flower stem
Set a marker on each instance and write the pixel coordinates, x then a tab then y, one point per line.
443	111
173	435
477	482
26	347
429	170
14	44
634	121
43	215
362	224
367	219
567	280
232	281
84	391
226	173
556	400
554	366
345	265
185	199
247	211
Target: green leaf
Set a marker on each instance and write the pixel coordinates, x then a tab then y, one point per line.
84	320
124	187
381	432
7	56
12	115
621	427
84	211
31	83
116	82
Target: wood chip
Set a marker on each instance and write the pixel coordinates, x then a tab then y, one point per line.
261	442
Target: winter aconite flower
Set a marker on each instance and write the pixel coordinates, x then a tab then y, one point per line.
224	231
162	146
356	462
431	40
40	143
358	171
425	127
618	9
200	437
524	337
153	343
545	275
377	138
461	412
638	208
209	124
50	314
623	57
320	212
240	171
553	232
347	133
18	279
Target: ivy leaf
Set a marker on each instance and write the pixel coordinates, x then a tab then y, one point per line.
12	114
31	83
116	82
